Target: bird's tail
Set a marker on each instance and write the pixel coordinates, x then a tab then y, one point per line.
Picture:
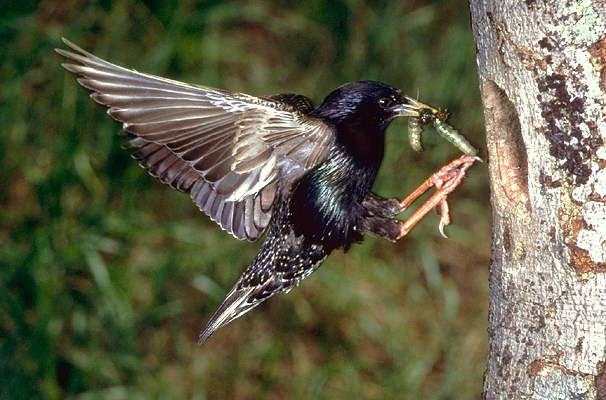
283	262
236	304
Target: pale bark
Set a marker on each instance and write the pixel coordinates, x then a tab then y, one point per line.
542	69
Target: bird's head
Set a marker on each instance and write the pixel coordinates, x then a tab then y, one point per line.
367	104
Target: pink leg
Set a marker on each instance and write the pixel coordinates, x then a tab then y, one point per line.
446	181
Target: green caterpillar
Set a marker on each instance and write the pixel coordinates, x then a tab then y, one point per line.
438	119
453	136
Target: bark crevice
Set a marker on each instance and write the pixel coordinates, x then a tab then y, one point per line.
505	132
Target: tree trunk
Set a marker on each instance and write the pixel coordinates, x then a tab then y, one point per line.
542	69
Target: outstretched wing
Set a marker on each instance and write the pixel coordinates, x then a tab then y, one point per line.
232	152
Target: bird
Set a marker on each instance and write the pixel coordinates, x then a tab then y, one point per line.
274	166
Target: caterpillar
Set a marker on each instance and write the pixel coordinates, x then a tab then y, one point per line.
415	128
453	136
438	120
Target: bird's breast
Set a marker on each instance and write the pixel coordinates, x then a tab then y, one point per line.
326	203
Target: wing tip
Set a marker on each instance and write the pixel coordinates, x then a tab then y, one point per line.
61	52
75	47
70	67
68	42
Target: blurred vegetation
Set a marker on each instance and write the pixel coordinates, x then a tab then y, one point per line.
106	276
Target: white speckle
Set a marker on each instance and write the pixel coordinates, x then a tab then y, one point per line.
593	243
595	214
593	240
600	184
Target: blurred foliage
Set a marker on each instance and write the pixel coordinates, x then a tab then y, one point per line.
106	276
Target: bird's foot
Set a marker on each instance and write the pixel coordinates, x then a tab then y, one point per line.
446	180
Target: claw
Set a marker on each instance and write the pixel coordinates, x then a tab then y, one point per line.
441	229
446	180
444	217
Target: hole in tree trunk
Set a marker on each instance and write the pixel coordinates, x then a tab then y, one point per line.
509	157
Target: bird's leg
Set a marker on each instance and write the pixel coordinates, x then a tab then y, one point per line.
446	181
387	228
380	206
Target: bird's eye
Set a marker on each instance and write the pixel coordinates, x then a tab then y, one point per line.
385	102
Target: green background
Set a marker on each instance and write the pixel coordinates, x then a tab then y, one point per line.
106	276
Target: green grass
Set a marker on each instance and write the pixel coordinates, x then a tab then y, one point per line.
106	276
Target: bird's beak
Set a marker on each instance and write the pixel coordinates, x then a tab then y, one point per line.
410	108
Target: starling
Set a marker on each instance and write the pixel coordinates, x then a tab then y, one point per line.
275	165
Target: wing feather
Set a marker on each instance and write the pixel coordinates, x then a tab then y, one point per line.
232	152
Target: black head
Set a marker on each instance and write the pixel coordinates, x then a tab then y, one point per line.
368	104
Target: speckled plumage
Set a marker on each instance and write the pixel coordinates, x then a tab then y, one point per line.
323	211
260	164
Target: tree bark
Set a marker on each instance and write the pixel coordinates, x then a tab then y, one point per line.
542	69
